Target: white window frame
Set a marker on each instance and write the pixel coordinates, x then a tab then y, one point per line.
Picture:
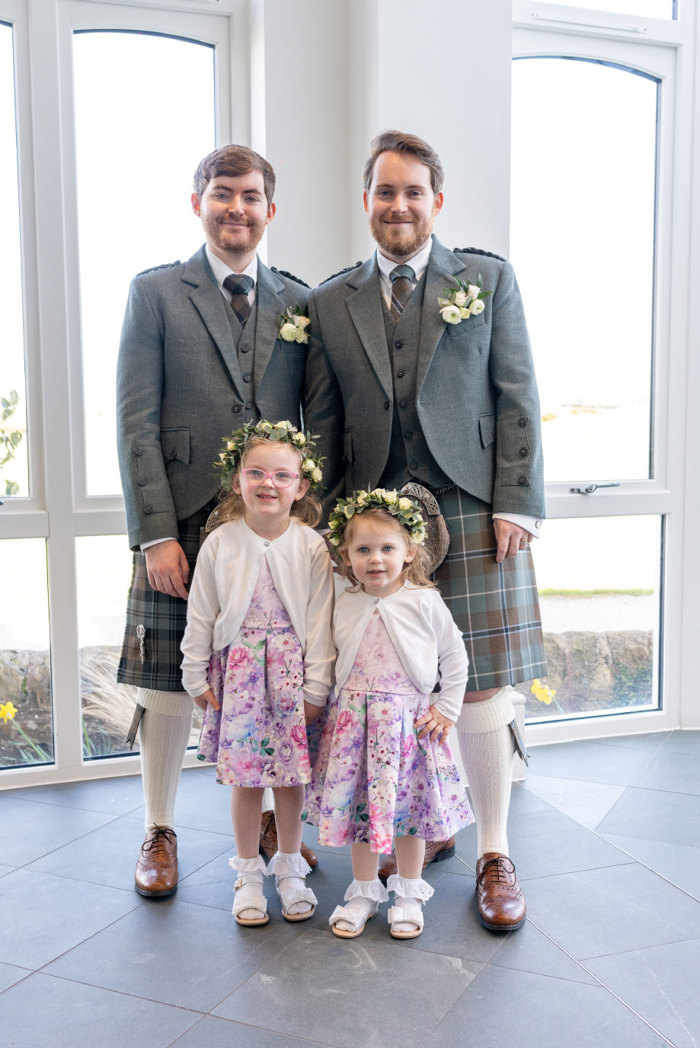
57	508
663	49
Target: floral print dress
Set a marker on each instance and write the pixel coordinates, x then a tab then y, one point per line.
373	778
258	737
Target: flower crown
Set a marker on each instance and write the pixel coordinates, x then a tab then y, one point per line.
235	447
404	509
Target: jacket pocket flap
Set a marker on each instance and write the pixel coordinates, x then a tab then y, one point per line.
487	429
175	445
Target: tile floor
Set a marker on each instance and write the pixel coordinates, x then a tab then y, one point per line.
607	839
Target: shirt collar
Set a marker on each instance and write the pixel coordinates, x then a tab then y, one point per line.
221	269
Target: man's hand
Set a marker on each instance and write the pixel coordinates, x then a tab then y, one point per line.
434	725
206	699
311	712
510	539
167	567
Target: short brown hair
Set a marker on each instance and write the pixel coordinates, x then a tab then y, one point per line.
399	142
234	160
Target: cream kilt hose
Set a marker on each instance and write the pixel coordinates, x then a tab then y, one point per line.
155	622
496	606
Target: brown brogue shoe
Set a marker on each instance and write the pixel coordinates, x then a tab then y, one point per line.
499	897
435	851
268	840
156	869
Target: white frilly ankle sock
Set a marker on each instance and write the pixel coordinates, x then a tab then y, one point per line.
486	746
290	870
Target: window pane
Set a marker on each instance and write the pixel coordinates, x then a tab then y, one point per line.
139	138
600	602
13	412
641	8
583	197
26	713
104	573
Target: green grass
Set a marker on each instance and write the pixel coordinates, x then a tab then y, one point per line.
596	593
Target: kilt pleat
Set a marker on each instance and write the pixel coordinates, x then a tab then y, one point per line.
496	606
155	622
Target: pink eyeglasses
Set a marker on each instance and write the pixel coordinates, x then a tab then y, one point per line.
281	478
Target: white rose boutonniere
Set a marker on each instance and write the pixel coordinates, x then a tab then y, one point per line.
293	325
463	301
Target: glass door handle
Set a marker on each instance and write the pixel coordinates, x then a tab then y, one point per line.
590	488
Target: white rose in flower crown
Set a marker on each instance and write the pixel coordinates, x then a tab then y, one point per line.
473	291
405	503
390	497
362	498
477	307
316	475
266	427
307	465
288	332
299	439
460	298
284	425
450	314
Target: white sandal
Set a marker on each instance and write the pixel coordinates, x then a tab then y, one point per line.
355	914
290	869
405	919
249	902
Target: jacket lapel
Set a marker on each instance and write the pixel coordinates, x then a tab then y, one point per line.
270	306
443	268
365	307
211	306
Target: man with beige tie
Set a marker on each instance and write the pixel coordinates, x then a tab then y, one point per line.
420	369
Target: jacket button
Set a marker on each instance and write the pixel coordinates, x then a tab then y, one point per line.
148	508
403	403
236	408
246	378
413	466
398	344
245	349
141	483
138	452
522	480
523	453
522	421
400	373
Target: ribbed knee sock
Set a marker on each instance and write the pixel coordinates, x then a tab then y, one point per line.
164	738
486	746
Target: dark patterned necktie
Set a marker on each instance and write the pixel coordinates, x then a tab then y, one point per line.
239	286
402	278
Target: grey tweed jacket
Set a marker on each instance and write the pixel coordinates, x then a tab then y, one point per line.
181	389
476	394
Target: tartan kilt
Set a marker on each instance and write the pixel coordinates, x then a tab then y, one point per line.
495	605
163	618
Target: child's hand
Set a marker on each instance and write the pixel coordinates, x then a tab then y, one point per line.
206	699
435	726
311	712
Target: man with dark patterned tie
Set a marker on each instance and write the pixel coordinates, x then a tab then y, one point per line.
420	370
200	354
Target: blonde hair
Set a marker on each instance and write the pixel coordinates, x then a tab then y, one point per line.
415	571
307	509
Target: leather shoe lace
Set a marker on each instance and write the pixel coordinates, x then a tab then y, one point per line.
500	898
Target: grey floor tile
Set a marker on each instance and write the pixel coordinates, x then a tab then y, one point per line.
586	802
654	815
662	985
11	974
530	950
677	863
524	802
6	869
589	762
683	742
115	796
338	992
51	828
613	910
650	742
108	855
224	1033
676	772
551	843
175	953
44	1011
519	1008
43	916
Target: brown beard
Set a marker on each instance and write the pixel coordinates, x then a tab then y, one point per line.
405	244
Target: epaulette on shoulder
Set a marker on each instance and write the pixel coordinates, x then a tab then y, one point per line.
166	265
284	273
479	251
340	272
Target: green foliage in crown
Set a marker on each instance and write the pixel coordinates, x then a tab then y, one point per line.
404	509
235	446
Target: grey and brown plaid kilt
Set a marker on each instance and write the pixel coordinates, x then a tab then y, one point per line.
495	605
160	620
